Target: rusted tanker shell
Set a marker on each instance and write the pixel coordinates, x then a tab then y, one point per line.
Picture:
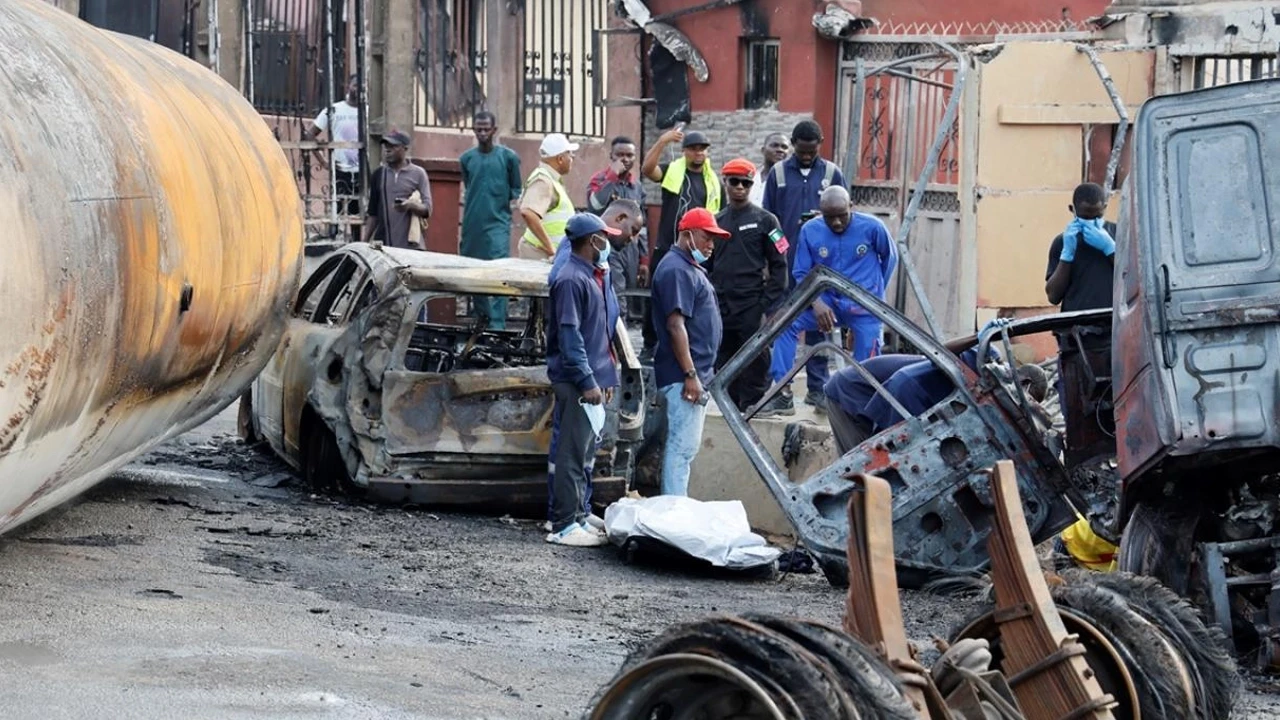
153	240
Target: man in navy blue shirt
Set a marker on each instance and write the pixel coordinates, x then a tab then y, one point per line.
855	245
792	188
624	219
580	365
848	393
686	320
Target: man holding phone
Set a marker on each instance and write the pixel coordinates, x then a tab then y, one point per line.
399	192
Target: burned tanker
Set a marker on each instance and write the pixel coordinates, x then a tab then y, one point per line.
153	242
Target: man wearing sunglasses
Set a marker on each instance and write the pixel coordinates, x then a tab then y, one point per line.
749	272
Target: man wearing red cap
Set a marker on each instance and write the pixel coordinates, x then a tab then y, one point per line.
686	320
749	272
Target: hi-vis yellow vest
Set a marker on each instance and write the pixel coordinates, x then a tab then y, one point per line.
557	217
673	181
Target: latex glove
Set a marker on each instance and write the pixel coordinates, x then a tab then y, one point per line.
1096	236
1069	238
994	325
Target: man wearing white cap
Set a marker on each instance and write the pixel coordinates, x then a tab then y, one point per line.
545	205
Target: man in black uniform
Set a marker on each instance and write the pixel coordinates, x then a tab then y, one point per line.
749	272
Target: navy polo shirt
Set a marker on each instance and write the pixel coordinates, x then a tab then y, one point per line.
918	387
849	390
680	284
578	300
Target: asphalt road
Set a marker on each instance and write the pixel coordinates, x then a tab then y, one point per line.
204	583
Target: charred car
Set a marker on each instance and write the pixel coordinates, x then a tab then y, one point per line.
384	385
1171	446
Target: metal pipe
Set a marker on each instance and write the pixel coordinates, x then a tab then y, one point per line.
1117	145
854	151
154	249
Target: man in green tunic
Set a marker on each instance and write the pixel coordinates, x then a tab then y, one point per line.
491	175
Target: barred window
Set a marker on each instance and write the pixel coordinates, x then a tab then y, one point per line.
760	76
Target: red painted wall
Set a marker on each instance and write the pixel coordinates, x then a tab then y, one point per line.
807	62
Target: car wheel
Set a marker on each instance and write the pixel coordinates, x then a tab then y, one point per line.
324	469
246	423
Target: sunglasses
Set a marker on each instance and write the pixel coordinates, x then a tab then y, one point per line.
740	182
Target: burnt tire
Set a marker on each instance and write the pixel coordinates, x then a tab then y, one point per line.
323	468
1177	666
1161	674
1204	647
1159	541
869	683
816	672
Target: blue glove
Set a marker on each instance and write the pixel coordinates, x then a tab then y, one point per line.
996	324
1095	236
1069	239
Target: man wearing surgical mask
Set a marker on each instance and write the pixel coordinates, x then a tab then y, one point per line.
582	370
686	320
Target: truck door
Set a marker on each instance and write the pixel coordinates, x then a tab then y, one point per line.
1197	332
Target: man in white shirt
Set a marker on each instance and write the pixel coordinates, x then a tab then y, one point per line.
342	122
775	150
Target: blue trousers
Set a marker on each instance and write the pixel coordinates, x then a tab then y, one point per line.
866	331
684	438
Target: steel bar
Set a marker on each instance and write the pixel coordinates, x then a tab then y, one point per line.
853	153
917	78
1117	146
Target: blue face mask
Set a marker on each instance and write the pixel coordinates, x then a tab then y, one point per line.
603	260
699	257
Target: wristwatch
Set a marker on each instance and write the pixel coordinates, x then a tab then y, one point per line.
691	373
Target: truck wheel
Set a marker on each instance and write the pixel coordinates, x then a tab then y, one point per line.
1159	542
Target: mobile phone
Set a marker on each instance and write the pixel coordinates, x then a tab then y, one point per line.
399	201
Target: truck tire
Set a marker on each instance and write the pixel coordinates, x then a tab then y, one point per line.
1159	541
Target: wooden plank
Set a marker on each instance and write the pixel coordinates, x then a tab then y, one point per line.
873	609
1044	663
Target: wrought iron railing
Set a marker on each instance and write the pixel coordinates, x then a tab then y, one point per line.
559	90
452	62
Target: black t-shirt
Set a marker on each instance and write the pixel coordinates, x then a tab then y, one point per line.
674	205
1091	275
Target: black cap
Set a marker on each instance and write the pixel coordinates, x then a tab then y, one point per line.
395	137
695	138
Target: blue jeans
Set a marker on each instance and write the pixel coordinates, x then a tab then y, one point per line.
684	437
866	331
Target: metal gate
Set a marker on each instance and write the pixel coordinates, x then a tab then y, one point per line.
884	136
299	56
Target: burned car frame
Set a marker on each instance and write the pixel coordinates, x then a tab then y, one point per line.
935	462
384	386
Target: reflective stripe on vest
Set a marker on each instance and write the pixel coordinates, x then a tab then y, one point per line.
673	182
780	174
557	217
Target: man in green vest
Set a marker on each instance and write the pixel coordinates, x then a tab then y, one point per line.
687	182
545	205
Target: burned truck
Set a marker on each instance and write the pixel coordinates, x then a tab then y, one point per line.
1172	443
387	387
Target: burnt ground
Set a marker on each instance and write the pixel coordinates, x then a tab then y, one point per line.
203	581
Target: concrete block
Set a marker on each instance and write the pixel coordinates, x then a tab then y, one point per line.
721	471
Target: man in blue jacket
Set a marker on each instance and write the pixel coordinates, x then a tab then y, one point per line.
855	245
582	370
793	188
624	222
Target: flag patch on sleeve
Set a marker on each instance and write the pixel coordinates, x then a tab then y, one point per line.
779	241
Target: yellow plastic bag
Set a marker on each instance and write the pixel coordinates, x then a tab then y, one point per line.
1087	549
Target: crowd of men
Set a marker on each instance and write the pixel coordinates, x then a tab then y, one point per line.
729	244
